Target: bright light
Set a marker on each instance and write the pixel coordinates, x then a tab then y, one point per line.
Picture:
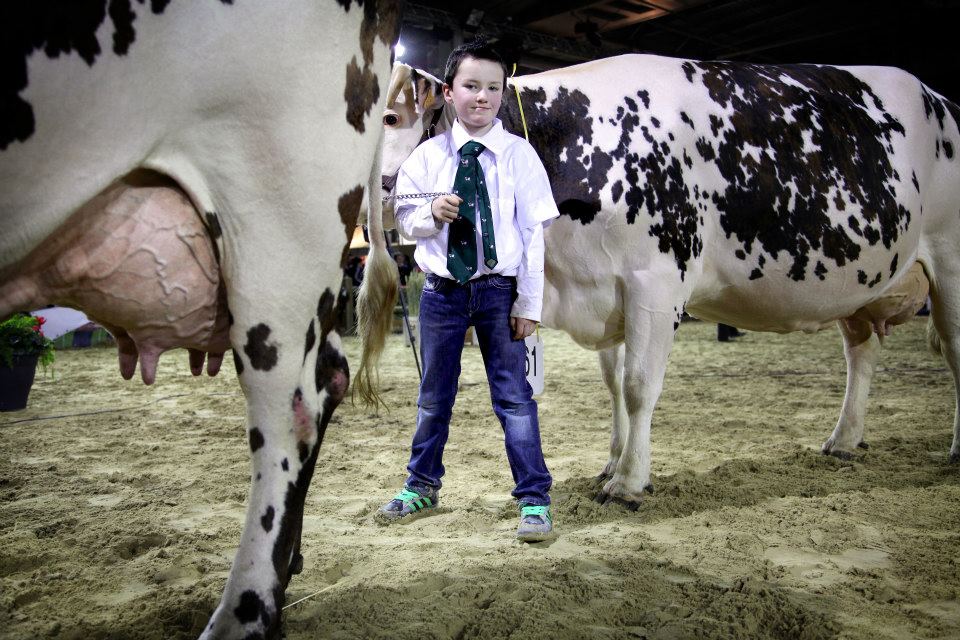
399	50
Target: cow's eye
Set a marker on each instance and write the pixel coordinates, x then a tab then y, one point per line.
391	119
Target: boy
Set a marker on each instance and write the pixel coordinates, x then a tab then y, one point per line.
482	251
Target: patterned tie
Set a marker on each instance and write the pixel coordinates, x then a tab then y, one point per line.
461	244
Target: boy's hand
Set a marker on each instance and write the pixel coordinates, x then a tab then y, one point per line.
445	208
522	327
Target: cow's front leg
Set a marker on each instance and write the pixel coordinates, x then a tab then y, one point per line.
611	370
294	374
861	347
648	340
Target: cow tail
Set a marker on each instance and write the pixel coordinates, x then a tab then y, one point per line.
933	338
378	296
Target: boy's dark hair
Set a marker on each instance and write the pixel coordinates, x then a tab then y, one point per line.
478	49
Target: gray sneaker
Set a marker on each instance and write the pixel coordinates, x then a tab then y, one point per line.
536	524
408	502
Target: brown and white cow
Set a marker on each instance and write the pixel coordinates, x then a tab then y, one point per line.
174	171
773	198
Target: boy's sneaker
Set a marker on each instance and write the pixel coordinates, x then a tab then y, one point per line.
536	524
407	502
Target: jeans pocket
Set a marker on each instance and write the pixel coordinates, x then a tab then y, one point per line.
505	283
434	283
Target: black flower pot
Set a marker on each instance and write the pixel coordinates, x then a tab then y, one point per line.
15	382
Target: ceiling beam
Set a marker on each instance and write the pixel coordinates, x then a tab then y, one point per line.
545	10
730	55
417	16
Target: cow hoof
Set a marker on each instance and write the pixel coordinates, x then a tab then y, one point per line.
863	445
954	458
842	455
607	500
296	565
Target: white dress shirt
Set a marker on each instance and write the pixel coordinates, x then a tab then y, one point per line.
520	199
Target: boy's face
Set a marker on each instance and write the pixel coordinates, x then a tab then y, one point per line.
476	94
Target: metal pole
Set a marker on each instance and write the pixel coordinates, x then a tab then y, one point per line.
406	315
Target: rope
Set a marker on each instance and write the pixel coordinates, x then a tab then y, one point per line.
98	412
327	588
523	118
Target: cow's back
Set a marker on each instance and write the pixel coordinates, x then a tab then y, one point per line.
769	189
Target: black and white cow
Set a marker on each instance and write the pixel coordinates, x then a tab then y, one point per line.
773	198
174	169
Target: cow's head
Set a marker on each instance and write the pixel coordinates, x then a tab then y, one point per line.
415	110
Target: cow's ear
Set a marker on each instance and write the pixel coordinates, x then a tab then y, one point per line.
429	94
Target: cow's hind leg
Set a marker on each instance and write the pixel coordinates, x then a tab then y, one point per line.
945	314
650	303
611	370
861	347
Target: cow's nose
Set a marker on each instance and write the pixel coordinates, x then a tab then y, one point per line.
388	182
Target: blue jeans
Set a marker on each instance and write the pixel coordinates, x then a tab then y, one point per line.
447	309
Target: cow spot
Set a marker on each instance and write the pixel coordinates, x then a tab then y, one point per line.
349	207
832	132
326	311
309	340
256	439
213	228
579	210
285	465
250	608
616	191
262	355
655	181
266	520
361	92
820	271
332	373
237	362
28	27
213	225
388	21
566	127
380	19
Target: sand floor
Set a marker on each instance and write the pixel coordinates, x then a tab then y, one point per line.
121	505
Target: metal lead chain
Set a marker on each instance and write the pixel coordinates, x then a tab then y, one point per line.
411	196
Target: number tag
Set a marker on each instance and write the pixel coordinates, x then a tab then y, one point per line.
534	368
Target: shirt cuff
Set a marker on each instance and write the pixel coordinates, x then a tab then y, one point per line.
417	222
540	212
526	306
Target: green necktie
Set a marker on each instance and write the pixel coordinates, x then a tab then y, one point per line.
461	243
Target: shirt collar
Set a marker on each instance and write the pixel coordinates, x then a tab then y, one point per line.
494	140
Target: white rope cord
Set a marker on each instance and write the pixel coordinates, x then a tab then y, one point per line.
98	412
327	588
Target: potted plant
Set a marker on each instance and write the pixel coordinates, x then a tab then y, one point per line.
22	346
